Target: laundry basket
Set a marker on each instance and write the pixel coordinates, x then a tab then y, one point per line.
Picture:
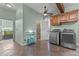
30	38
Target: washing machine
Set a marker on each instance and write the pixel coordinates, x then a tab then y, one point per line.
55	36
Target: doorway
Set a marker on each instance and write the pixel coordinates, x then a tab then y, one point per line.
38	30
6	29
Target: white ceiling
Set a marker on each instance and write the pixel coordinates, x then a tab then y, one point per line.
39	7
71	6
3	5
52	8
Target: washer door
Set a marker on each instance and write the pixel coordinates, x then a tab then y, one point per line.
54	38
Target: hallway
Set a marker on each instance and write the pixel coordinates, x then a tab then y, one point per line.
43	48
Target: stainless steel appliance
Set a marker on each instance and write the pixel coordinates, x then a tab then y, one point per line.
68	39
55	36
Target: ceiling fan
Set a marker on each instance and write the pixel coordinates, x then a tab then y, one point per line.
46	12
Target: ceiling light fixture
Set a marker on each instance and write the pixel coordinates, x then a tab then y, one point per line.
9	5
45	11
45	14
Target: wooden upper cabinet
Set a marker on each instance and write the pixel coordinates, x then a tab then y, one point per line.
64	17
69	16
73	16
54	20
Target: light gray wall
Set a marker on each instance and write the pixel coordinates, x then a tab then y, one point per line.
25	20
19	25
74	26
7	14
30	17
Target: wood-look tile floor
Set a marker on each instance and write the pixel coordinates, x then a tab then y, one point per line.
43	48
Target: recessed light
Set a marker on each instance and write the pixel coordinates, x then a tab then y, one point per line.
9	5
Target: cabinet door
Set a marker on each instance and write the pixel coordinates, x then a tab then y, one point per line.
54	20
64	17
73	15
